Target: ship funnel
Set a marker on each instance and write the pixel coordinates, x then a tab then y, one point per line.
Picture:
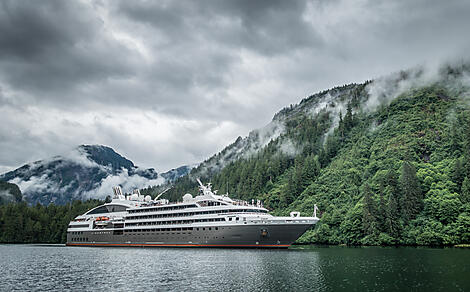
117	192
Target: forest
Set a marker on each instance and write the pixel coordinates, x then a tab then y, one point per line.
21	223
397	176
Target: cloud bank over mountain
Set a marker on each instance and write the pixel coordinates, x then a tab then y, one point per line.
88	171
170	83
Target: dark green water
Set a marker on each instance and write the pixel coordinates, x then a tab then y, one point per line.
59	268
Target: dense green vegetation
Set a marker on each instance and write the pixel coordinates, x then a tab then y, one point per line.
399	175
20	223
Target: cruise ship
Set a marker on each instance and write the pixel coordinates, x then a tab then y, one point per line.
206	220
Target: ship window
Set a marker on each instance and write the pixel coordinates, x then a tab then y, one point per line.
116	208
98	210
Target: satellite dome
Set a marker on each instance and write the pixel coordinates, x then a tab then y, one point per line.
134	197
148	198
187	197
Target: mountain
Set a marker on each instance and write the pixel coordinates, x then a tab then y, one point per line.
89	171
387	161
9	193
176	173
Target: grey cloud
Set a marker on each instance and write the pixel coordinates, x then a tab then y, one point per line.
171	82
267	27
52	47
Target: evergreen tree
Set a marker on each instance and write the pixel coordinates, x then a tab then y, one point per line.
341	125
467	146
458	175
392	217
412	201
348	118
465	193
381	212
369	214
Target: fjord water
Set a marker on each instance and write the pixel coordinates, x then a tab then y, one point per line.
58	268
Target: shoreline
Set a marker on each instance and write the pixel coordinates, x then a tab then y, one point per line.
293	246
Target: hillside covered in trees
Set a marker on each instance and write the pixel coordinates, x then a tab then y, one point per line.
389	169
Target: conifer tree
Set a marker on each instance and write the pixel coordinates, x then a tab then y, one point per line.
392	217
341	125
465	193
348	118
369	213
458	174
381	212
412	200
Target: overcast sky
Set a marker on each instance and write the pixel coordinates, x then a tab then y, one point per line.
168	83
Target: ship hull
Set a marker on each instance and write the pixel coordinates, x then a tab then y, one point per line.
234	236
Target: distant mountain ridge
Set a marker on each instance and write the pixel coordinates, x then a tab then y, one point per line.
88	171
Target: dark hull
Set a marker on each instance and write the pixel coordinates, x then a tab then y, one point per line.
234	236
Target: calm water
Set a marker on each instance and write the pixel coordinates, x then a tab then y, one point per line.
59	268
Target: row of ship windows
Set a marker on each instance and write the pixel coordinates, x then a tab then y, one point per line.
159	230
78	225
169	208
76	232
173	229
176	222
80	239
195	213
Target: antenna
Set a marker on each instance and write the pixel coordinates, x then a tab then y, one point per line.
315	208
200	183
160	194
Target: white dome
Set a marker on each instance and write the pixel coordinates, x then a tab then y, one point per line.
134	197
187	197
148	198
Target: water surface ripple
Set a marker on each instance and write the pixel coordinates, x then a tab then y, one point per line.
59	268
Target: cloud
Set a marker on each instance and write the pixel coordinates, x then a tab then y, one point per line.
453	75
127	182
288	148
6	196
167	83
36	184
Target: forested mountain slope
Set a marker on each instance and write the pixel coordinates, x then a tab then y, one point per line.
386	161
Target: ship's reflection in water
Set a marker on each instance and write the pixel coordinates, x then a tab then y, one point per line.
58	268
